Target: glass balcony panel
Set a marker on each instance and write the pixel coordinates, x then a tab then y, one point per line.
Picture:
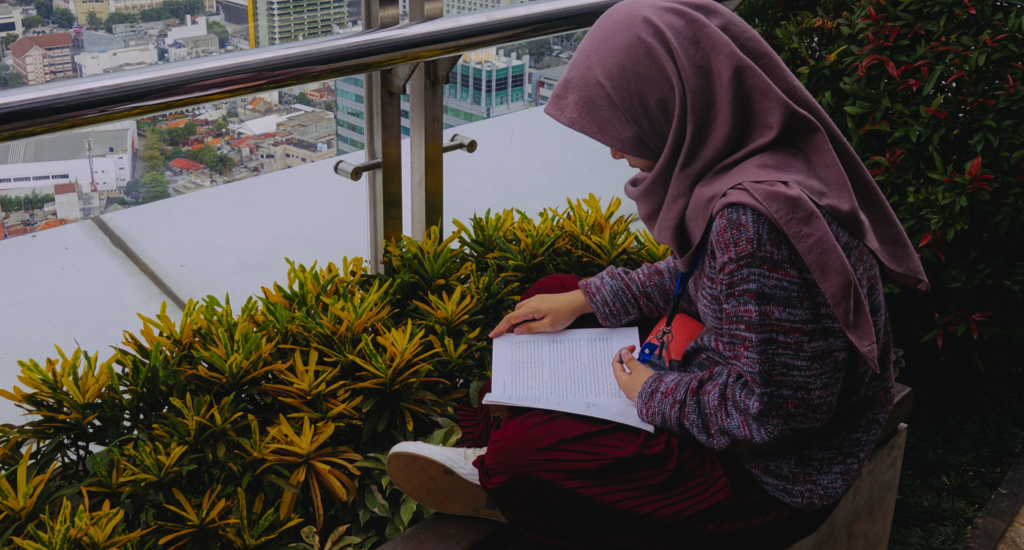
74	284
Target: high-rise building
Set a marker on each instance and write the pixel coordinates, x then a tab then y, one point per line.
482	85
280	21
453	7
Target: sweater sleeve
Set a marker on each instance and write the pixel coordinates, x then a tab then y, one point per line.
771	371
619	296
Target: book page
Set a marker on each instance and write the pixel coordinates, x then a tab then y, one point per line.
567	371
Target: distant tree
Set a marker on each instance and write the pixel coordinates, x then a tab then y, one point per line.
119	18
175	153
194	7
131	190
329	107
190	128
63	18
153	187
221	124
153	154
33	201
31	22
153	14
537	49
92	20
8	39
304	99
175	9
217	28
44	8
11	79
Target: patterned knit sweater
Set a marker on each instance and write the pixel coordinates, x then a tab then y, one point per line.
772	377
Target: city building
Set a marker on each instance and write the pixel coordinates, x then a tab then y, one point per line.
321	95
116	60
43	58
542	83
278	154
192	47
453	7
135	6
235	12
280	21
10	19
45	162
482	85
81	9
66	197
192	27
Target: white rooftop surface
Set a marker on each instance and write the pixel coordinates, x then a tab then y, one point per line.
69	284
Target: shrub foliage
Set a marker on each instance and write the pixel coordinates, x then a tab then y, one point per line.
929	93
267	425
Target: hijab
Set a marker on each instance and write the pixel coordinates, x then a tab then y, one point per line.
690	86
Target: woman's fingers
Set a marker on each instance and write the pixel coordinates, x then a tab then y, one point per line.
514	318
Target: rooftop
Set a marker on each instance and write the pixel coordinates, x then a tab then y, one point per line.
45	41
186	164
66	146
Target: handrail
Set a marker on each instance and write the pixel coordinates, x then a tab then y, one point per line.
64	105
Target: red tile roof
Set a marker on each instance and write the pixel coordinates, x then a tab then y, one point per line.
48	224
16	231
185	164
45	41
63	188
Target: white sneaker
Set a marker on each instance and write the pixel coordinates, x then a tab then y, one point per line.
442	478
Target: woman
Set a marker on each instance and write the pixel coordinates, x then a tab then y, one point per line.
769	416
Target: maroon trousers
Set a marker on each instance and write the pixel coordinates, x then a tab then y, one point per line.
580	482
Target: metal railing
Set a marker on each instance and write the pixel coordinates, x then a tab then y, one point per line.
419	53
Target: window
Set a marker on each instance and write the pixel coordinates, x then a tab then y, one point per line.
465	80
501	85
477	85
351	127
517	80
303	159
354	143
350	96
352	112
40	178
5	180
453	78
60	176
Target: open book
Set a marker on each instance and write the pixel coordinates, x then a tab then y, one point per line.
568	371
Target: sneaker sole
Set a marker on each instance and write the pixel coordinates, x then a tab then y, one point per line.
437	486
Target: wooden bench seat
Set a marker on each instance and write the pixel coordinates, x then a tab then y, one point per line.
861	521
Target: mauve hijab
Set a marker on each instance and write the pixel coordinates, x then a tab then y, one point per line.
689	85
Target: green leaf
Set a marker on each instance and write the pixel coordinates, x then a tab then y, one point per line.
407	509
393	530
376	502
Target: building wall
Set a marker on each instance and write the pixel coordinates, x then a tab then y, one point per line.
81	9
196	28
280	21
452	7
11	22
135	6
111	172
95	63
67	206
38	66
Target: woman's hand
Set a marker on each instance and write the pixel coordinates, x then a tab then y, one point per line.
630	381
544	313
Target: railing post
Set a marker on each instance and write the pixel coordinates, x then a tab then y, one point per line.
426	124
383	126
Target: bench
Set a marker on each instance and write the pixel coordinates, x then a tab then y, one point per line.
860	522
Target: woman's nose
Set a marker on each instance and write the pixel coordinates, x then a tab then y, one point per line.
617	155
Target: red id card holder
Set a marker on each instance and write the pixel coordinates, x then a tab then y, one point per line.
685	329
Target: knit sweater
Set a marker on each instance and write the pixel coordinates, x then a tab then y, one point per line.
773	376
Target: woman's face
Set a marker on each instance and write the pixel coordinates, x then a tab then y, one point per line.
643	165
